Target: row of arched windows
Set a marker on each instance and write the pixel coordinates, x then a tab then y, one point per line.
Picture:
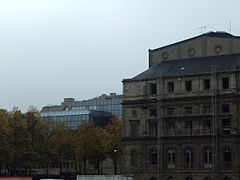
188	158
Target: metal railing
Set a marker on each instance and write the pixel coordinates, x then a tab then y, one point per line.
186	132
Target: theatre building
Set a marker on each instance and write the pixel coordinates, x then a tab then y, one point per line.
182	115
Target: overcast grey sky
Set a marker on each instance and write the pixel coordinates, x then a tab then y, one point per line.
51	49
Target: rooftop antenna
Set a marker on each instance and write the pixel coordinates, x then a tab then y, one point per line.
203	28
230	26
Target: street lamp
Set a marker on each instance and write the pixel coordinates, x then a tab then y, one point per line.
115	160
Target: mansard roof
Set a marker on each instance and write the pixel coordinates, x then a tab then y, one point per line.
193	66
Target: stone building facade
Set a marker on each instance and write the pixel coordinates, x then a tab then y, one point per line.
181	116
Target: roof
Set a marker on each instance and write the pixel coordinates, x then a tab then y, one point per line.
74	112
193	66
220	34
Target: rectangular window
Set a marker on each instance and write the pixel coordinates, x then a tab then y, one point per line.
153	88
170	111
206	84
170	86
225	83
188	110
226	124
153	112
153	129
206	109
188	85
225	108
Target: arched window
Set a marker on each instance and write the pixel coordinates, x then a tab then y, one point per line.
153	178
226	178
188	159
153	156
171	158
208	160
170	178
207	178
189	178
227	158
134	157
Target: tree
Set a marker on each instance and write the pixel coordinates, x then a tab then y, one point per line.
91	146
5	143
114	135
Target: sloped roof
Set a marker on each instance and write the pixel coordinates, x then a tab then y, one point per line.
193	66
220	34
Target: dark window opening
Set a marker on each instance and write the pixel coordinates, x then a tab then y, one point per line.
170	86
153	129
225	108
188	110
171	159
208	160
189	159
134	129
226	123
188	85
171	111
206	84
153	112
153	178
153	88
134	158
227	159
153	156
225	83
189	178
206	109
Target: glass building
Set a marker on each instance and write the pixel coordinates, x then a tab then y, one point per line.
72	112
110	103
73	118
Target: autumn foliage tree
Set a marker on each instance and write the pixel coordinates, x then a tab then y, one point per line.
28	142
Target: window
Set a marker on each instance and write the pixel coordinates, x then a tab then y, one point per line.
170	126
206	109
153	112
170	178
207	178
171	160
208	161
134	114
188	128
206	84
189	178
188	110
188	159
153	156
207	125
227	159
225	83
225	108
152	129
171	111
226	178
134	129
226	125
188	85
170	86
153	88
153	178
134	157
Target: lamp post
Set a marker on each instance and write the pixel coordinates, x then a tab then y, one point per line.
115	160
